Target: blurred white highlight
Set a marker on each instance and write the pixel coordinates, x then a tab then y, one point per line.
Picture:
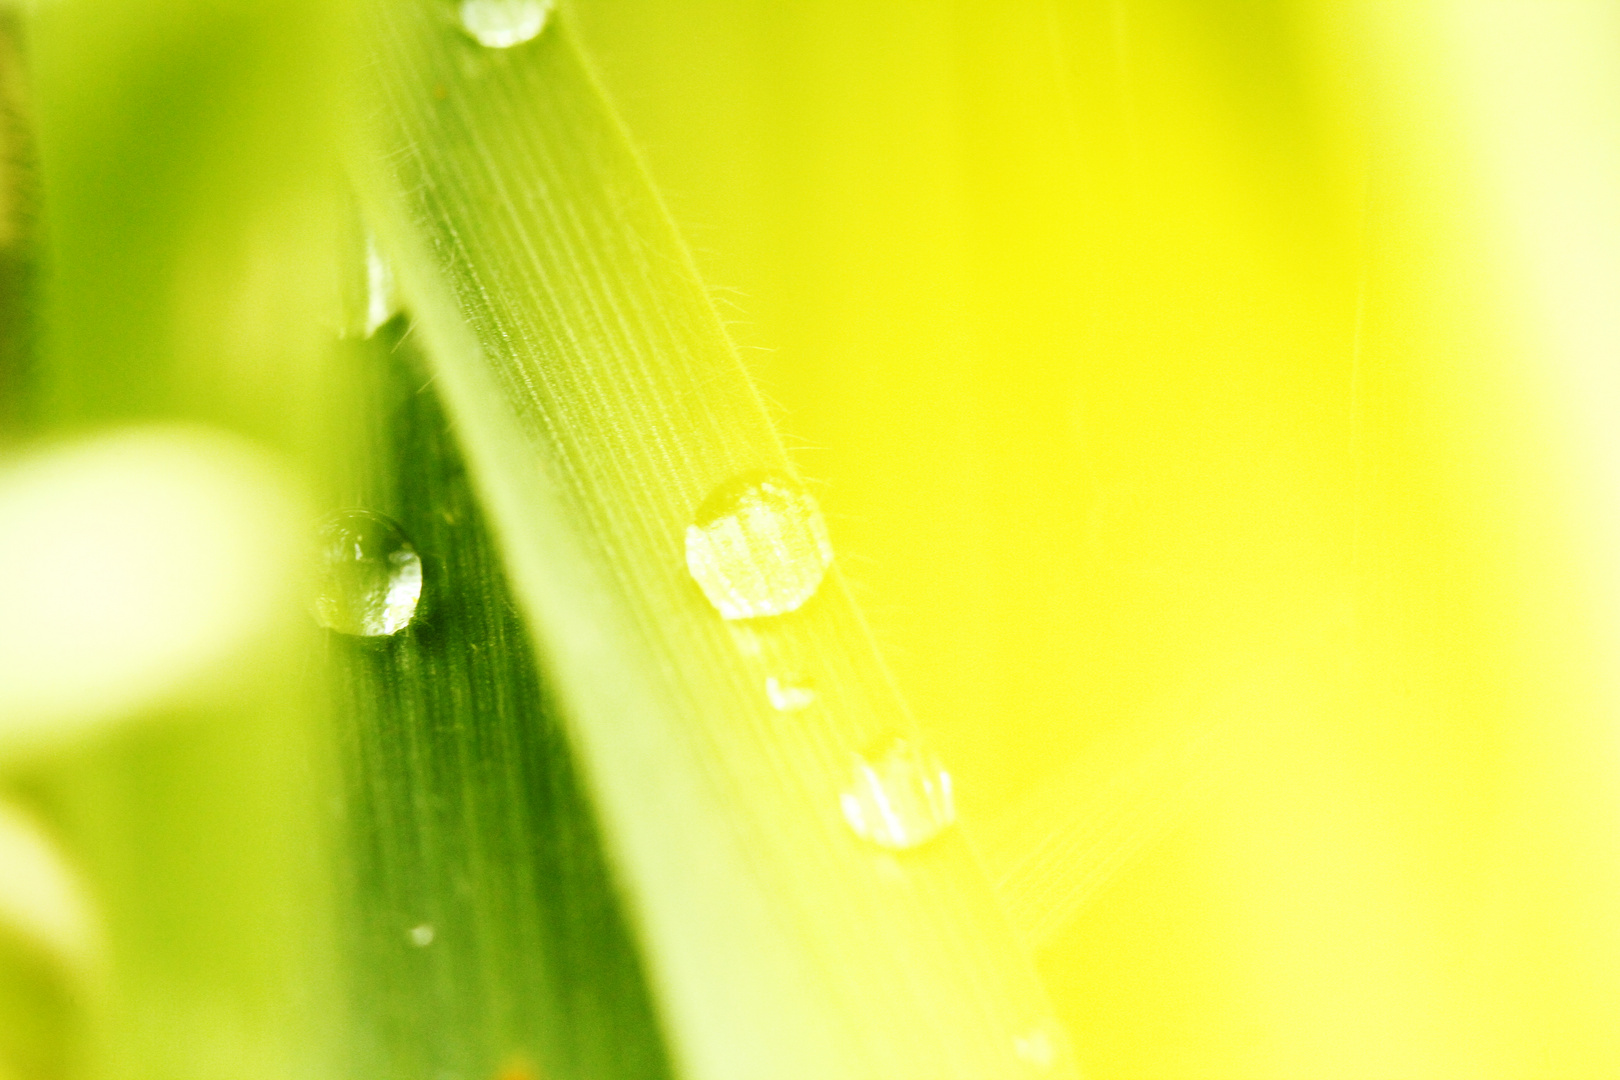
130	564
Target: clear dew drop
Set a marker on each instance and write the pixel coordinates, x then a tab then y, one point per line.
900	798
789	694
501	24
420	936
369	577
758	546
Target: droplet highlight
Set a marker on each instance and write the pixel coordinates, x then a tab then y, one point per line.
789	694
382	299
747	639
1041	1047
421	936
369	577
758	546
501	24
899	799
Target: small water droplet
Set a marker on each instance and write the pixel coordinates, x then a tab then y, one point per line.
501	24
1041	1046
789	694
382	301
369	577
900	798
758	546
421	936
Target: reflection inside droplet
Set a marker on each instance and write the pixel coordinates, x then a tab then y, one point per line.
1041	1046
758	546
369	577
382	301
746	638
501	24
421	936
899	798
789	694
1036	1048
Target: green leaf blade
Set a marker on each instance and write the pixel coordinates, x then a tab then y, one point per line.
600	402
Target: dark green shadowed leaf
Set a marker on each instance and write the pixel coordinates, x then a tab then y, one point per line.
485	929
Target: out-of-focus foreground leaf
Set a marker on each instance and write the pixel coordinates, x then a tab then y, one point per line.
18	215
186	195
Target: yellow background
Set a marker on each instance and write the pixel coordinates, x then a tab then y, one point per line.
1212	403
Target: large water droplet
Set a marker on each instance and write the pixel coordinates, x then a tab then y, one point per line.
758	546
899	798
369	577
789	694
501	24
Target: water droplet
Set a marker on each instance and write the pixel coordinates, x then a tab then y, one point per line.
501	24
369	577
789	694
421	936
900	798
1041	1046
382	301
758	546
